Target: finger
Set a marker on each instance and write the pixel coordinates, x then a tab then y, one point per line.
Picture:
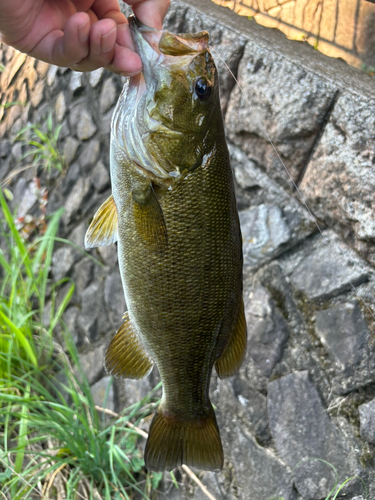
108	9
102	46
125	62
74	45
124	37
150	12
65	48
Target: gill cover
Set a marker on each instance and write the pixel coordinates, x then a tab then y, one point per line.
161	120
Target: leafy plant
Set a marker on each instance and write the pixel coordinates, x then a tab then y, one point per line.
10	104
42	145
24	270
370	70
60	434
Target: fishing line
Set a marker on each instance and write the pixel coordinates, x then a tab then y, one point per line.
312	217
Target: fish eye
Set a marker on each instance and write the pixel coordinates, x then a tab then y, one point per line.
202	89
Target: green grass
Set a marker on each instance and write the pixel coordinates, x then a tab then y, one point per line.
51	435
24	284
41	144
57	429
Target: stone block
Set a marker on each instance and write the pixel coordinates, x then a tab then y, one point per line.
60	107
266	329
86	127
328	269
245	460
271	219
11	70
62	262
83	275
92	312
95	76
108	254
344	333
37	93
42	68
51	75
89	155
70	149
76	201
264	232
367	421
29	198
28	73
339	182
114	294
290	113
100	177
70	317
303	432
5	147
105	122
92	364
22	96
77	236
103	393
108	95
76	81
255	408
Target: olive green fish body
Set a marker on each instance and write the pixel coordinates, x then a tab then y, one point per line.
183	300
173	213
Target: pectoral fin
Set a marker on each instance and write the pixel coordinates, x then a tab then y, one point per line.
103	228
234	353
125	356
149	218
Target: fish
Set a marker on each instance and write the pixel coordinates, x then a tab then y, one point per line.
174	217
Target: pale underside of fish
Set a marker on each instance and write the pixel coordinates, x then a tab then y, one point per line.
173	214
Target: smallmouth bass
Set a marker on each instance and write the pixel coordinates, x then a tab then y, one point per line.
173	214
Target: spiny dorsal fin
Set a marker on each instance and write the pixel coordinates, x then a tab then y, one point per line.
149	218
172	442
125	357
234	353
103	228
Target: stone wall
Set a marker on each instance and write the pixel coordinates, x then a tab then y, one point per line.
307	387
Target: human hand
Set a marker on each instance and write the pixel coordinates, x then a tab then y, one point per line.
81	34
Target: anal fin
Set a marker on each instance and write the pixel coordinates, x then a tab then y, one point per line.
103	228
125	356
234	353
149	218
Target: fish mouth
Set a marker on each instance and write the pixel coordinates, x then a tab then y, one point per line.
157	47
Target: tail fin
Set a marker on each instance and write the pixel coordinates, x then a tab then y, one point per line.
173	442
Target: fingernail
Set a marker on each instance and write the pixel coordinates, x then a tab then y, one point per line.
107	42
130	75
83	32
